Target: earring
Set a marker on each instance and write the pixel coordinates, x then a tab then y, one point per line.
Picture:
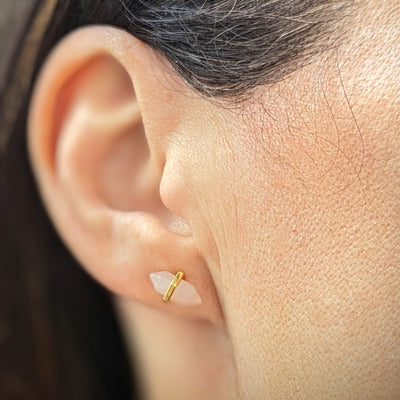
174	288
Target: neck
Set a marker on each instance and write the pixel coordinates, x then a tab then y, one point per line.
177	359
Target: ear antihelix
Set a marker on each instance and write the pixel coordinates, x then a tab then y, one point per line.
174	288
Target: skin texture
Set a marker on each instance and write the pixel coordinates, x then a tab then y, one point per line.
283	212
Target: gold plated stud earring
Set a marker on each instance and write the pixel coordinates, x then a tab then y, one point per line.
174	288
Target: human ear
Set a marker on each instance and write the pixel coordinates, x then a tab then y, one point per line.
101	117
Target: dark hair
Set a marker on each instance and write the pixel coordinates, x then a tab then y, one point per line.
58	334
226	48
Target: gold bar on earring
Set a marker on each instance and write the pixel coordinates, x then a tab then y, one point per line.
172	286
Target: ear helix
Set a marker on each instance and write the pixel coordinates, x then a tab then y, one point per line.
174	288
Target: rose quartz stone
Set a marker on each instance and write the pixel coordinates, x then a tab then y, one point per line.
185	294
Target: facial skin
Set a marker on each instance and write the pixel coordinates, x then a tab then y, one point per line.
284	213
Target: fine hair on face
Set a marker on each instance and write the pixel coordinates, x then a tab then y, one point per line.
256	137
223	49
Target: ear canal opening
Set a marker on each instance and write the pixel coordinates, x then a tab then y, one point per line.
121	168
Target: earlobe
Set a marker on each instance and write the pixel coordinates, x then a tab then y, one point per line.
98	152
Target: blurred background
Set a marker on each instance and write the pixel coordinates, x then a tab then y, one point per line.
59	337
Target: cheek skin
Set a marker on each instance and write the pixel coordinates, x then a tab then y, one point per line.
307	274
